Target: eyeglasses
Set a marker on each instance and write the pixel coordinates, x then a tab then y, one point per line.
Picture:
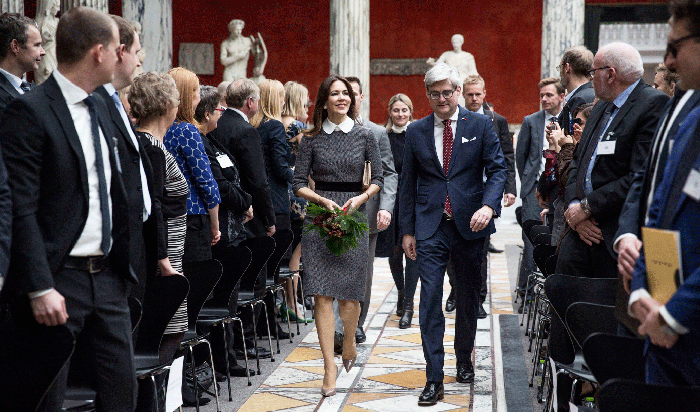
445	93
220	109
592	71
672	45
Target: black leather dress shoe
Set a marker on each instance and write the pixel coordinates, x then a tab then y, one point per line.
338	343
263	352
360	336
492	249
432	393
482	313
465	373
451	303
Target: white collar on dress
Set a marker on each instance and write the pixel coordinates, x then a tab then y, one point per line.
347	124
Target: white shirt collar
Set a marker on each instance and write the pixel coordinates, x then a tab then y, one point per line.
14	80
454	117
110	88
568	96
241	113
72	93
481	110
347	125
400	129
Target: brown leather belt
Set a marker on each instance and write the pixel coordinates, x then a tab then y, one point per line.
90	264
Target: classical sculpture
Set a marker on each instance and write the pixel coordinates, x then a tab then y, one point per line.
47	22
236	50
463	61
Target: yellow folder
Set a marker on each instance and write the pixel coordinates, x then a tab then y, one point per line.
662	252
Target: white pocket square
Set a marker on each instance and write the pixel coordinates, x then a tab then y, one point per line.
465	140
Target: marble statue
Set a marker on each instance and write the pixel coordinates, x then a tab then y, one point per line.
141	54
101	5
47	23
259	58
236	50
463	61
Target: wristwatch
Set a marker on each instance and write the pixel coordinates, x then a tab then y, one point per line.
584	206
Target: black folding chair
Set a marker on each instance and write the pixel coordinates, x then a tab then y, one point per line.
610	356
283	240
203	277
626	395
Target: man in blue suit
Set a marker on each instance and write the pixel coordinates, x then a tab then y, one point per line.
672	356
448	212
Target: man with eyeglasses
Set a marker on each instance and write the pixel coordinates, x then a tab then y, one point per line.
666	197
614	146
449	209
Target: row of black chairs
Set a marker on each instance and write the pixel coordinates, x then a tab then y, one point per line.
208	296
572	322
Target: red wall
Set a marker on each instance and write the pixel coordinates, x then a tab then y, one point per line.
295	33
504	37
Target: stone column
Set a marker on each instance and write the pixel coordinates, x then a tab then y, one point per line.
101	5
350	43
562	27
156	18
12	6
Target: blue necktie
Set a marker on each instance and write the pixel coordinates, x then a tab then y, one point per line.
99	165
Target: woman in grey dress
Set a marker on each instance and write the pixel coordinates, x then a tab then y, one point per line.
333	154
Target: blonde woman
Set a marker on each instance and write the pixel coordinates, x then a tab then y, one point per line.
184	142
294	117
389	241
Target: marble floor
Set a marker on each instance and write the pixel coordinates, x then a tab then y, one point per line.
390	372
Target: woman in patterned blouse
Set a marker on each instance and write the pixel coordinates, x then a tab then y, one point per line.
185	144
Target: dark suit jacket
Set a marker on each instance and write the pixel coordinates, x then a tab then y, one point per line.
506	138
584	94
233	198
528	153
386	198
635	208
7	93
5	222
129	156
682	213
277	158
424	186
242	141
632	127
48	178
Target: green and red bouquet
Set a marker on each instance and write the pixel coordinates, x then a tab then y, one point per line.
340	229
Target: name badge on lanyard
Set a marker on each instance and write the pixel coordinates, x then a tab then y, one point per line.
607	145
224	161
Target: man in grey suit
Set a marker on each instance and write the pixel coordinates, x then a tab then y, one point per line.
530	163
378	210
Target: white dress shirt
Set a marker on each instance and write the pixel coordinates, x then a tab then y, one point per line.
144	183
439	128
345	126
90	239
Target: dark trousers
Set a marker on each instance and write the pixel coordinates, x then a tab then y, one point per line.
576	258
678	366
197	239
98	317
406	279
483	289
433	254
364	305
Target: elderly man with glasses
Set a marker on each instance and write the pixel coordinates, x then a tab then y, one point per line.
614	146
449	209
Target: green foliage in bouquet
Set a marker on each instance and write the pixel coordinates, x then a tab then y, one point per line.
339	228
